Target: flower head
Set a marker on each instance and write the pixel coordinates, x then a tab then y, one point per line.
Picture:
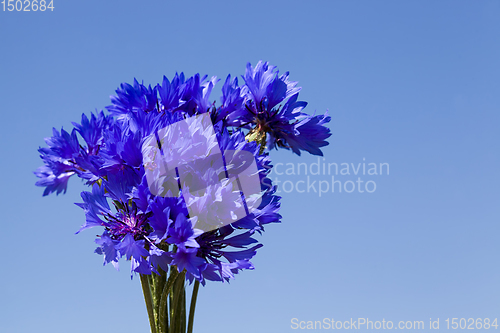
274	114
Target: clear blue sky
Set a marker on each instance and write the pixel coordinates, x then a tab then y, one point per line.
414	84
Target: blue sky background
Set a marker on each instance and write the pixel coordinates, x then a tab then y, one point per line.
414	84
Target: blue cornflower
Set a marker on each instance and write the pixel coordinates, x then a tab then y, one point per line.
132	99
65	157
278	125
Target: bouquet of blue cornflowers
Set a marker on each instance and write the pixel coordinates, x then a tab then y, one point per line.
179	185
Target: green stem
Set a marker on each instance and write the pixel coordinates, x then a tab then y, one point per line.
178	295
193	306
171	308
163	321
159	282
183	309
149	301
